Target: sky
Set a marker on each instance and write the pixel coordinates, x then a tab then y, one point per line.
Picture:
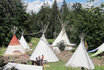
35	5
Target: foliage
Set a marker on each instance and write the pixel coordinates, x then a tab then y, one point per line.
61	45
2	62
12	14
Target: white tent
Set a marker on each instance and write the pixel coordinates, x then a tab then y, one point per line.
68	48
24	43
100	50
56	50
14	48
80	58
63	37
22	66
43	49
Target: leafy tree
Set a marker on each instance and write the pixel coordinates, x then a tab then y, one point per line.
13	13
54	23
64	10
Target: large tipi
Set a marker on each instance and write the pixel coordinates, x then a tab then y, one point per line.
43	49
24	43
100	49
80	58
14	48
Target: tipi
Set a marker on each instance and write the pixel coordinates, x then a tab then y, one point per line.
14	48
22	67
24	43
63	37
100	50
56	50
80	58
43	49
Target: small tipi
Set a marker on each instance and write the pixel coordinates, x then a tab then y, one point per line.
24	43
100	50
80	58
14	48
43	49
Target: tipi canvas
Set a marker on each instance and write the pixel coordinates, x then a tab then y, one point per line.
56	50
100	50
24	43
62	37
14	48
22	67
80	58
43	49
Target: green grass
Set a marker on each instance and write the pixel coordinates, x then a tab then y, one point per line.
97	67
2	51
60	65
50	40
34	42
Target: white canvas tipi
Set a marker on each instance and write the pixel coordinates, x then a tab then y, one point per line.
22	67
80	58
43	49
14	48
100	50
63	37
24	43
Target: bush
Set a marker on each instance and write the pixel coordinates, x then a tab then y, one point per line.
61	45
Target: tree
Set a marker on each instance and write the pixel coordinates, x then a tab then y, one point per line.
54	23
77	7
64	10
13	14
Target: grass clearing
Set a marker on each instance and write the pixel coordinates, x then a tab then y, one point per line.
2	51
60	65
50	40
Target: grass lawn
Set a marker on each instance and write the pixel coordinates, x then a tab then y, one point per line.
2	51
60	65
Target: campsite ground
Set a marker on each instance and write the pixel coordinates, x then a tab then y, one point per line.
64	57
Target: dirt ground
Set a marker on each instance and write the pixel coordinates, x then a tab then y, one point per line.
66	55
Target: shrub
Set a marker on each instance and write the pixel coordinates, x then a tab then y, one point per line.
61	45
